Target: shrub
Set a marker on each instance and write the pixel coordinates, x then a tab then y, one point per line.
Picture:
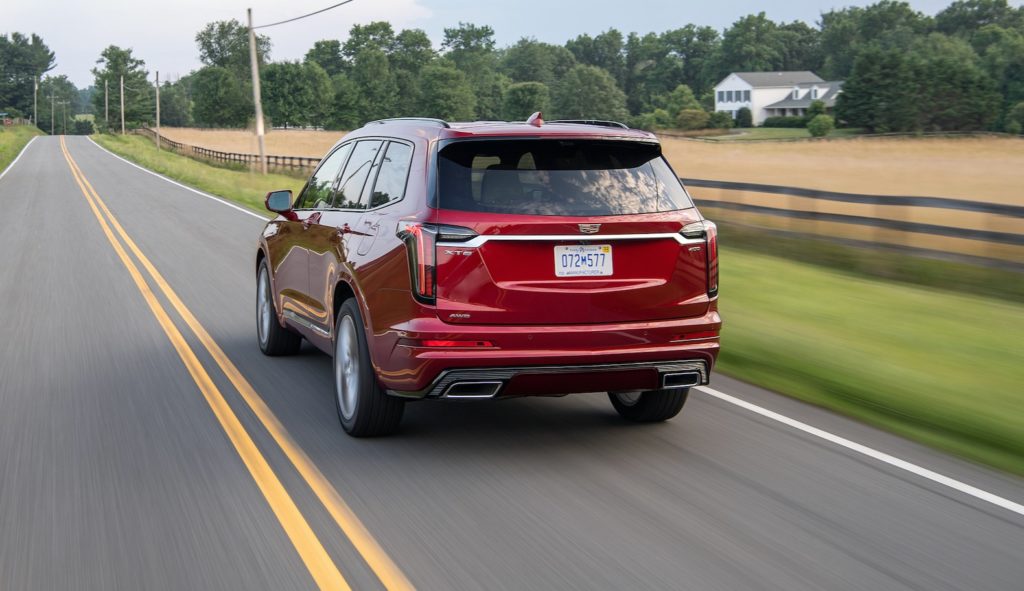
721	120
821	125
744	118
816	108
1014	127
689	119
789	122
1015	118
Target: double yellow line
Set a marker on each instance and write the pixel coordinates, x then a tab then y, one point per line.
323	570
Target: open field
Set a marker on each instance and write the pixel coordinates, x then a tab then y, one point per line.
774	133
285	142
13	139
987	169
887	353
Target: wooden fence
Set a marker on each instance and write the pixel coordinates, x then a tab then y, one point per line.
292	163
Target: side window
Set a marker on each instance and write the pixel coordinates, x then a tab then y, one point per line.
394	170
318	191
352	180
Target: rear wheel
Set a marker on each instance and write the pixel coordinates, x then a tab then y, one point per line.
364	409
652	406
274	339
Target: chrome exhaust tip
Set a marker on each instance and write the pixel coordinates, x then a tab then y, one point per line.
469	390
680	380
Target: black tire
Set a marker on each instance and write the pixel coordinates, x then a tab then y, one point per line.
364	408
653	406
274	339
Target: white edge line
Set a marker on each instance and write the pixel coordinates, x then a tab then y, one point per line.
870	452
795	424
18	157
176	183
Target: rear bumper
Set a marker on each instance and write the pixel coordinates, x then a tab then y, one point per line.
549	360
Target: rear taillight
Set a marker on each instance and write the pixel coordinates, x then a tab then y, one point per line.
712	235
709	232
421	242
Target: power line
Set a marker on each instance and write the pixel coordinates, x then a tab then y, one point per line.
304	16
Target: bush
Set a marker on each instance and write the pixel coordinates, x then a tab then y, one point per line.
690	119
1014	127
82	127
1015	119
821	125
721	120
744	118
816	108
788	122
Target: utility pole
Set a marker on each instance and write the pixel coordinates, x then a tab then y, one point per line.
122	105
158	110
35	102
106	104
256	94
64	110
53	111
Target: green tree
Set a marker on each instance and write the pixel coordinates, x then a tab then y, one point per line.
751	44
327	53
175	105
530	60
816	108
875	96
605	50
800	45
886	24
446	93
694	48
57	94
472	49
525	98
296	94
23	60
378	91
225	44
588	92
965	18
821	125
139	107
744	118
344	107
376	36
219	99
1015	119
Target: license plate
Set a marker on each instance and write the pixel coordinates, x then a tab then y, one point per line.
592	260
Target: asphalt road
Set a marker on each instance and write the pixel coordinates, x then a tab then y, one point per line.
115	472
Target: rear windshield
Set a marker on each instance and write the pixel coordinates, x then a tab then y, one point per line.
557	177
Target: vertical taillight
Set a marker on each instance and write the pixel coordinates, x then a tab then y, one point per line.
419	240
709	232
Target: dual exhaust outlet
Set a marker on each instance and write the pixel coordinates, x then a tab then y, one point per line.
489	389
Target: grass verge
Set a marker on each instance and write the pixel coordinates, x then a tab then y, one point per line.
12	140
241	186
933	365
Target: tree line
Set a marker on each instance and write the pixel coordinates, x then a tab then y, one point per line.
962	69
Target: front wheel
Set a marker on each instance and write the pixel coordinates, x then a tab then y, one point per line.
274	339
364	409
652	406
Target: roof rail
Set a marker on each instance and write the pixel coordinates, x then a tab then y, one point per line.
438	122
593	122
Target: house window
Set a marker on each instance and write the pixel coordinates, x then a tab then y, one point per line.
721	96
796	93
746	96
814	93
728	96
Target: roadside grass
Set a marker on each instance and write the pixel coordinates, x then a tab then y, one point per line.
936	366
12	140
244	187
942	368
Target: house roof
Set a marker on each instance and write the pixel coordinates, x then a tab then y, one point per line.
770	79
828	97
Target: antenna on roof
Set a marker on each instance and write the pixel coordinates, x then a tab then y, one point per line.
536	120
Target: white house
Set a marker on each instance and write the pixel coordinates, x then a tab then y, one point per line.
769	94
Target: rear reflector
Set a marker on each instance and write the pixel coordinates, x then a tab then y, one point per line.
459	344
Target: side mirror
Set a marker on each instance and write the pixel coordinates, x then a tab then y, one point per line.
279	202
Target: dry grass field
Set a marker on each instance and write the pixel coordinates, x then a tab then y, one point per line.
987	169
283	142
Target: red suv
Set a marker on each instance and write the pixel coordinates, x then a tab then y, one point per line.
492	260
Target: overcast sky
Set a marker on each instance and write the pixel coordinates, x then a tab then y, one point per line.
163	33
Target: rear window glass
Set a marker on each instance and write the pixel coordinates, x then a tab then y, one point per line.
557	177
